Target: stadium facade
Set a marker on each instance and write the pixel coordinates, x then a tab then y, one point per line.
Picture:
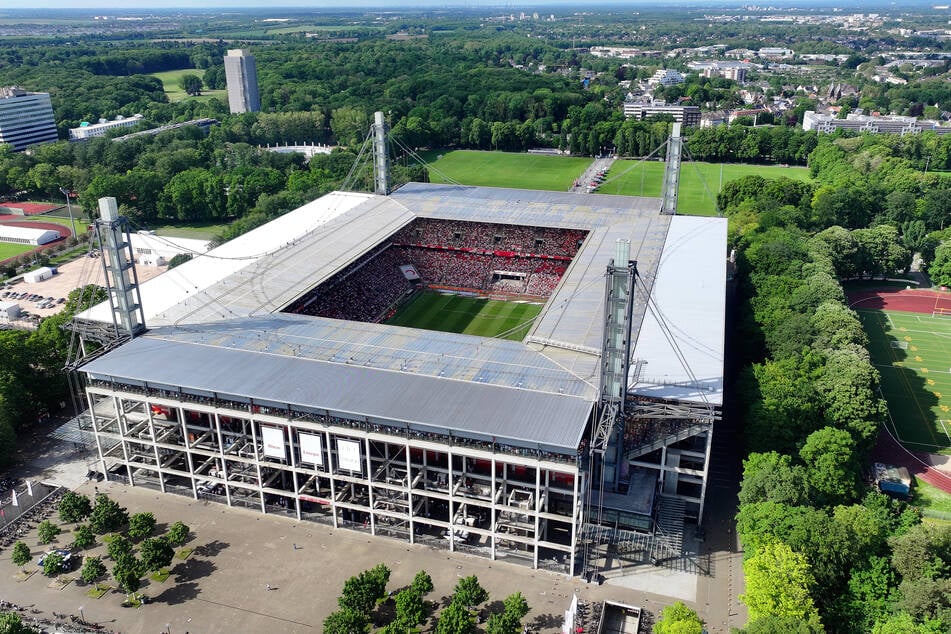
240	393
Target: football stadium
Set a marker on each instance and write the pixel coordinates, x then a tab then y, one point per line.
426	365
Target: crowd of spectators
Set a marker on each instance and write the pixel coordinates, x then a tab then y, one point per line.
474	256
483	236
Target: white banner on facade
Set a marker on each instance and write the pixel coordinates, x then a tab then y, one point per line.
310	452
348	455
273	438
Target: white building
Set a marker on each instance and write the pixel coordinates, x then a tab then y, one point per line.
241	74
87	131
687	115
38	275
889	124
153	250
26	118
666	77
26	235
9	311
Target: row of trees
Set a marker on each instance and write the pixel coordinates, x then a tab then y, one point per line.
365	592
822	553
107	516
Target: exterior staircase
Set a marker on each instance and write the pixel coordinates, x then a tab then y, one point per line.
668	528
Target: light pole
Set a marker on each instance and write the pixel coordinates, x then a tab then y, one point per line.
168	628
69	208
82	617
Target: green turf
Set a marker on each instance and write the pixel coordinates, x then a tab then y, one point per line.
468	315
931	500
506	169
10	249
699	182
198	231
170	79
916	381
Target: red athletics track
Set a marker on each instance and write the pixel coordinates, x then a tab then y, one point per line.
934	469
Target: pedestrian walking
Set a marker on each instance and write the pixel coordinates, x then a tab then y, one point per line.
268	587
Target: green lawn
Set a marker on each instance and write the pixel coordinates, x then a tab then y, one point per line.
10	249
913	354
699	182
170	79
932	501
468	315
506	169
197	231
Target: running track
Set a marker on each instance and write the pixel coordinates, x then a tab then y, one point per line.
932	468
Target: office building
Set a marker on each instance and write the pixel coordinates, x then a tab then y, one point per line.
26	118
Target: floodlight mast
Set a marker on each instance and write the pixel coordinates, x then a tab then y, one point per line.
118	264
381	158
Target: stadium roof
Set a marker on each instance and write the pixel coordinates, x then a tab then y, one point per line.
222	310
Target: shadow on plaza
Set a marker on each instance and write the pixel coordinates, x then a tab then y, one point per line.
177	594
193	569
211	548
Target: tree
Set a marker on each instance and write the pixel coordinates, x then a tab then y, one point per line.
127	572
422	583
678	619
74	507
156	554
924	551
940	268
177	533
410	609
191	84
141	525
360	593
10	623
92	569
346	621
349	125
52	564
778	581
455	619
107	515
509	621
782	625
468	592
119	547
21	554
179	258
47	531
831	465
771	477
83	537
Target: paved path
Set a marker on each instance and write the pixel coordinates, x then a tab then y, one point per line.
584	181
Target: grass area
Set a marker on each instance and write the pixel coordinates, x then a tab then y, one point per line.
98	591
160	576
699	182
11	249
184	553
468	315
506	169
932	501
913	355
198	231
170	79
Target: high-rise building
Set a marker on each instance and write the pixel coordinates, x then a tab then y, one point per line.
242	77
26	118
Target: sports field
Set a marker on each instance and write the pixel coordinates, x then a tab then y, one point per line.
912	352
10	249
699	182
507	169
468	315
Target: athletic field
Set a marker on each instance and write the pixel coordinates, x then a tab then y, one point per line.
507	169
699	182
468	315
912	351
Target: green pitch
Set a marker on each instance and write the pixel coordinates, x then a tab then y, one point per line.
913	354
468	315
506	169
699	182
11	249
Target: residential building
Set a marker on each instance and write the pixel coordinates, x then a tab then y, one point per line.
241	74
889	124
26	118
666	77
688	115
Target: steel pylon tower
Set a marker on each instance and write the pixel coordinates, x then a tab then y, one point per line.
381	158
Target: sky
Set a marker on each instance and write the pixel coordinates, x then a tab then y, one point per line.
111	5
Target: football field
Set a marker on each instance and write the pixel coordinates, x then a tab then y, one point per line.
699	182
468	315
507	169
912	352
